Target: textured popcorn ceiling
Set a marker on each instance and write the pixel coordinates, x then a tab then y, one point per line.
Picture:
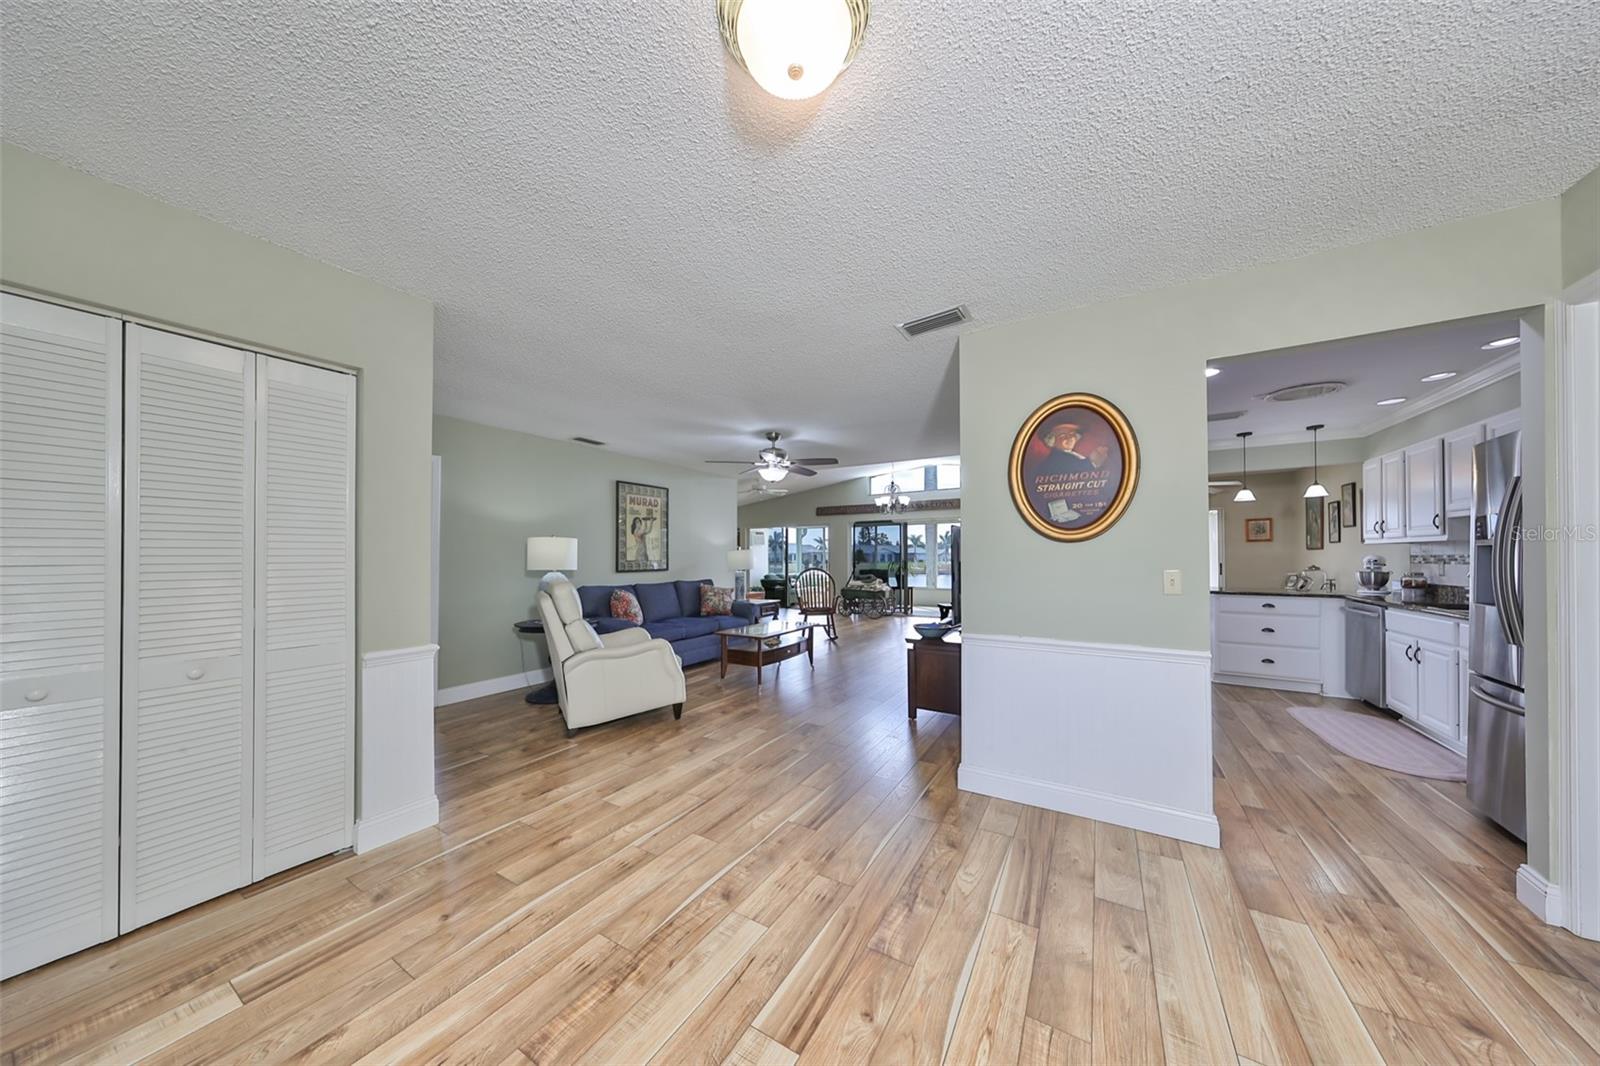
627	240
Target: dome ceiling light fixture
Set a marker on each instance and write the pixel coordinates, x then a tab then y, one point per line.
793	49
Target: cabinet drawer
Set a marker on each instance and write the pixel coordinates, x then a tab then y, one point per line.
1424	626
1263	660
1264	627
1276	606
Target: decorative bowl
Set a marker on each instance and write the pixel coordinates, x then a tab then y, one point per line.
933	630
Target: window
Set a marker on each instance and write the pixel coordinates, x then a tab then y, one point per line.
917	556
877	548
941	477
945	533
807	548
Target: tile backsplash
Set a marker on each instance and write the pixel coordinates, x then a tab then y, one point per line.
1444	562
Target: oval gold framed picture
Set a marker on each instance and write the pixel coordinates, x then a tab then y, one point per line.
1074	466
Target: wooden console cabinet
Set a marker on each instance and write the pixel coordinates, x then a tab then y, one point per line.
933	674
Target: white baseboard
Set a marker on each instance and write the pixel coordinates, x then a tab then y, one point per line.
1117	732
1281	685
392	825
1118	810
491	687
1539	895
395	794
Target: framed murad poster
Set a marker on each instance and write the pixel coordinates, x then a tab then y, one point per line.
1074	467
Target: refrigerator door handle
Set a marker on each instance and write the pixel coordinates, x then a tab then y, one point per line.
1498	550
1496	701
1514	549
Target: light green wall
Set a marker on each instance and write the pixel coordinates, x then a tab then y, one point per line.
72	236
1145	353
1254	566
1580	229
800	509
501	487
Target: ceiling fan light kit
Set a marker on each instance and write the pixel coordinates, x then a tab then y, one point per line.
793	49
773	464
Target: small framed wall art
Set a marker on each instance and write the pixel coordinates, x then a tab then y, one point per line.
641	527
1314	524
1074	467
1347	503
1335	526
1257	530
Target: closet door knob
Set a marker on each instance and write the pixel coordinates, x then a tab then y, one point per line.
36	695
196	674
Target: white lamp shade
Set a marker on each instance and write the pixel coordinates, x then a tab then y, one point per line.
552	553
745	559
772	473
1316	490
1244	496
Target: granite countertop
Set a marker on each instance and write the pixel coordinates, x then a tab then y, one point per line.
1278	592
1391	600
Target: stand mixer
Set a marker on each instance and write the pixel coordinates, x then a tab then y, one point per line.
1373	577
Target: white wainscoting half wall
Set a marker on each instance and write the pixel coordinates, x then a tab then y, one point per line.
394	782
1114	732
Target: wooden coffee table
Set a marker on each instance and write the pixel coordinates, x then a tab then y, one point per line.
765	644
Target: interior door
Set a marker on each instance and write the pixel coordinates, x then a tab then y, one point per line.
305	591
60	593
187	760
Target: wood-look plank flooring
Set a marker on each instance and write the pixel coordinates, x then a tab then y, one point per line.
791	875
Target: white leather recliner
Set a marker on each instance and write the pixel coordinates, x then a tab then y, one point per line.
597	680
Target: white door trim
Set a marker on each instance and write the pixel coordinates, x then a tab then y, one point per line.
1574	733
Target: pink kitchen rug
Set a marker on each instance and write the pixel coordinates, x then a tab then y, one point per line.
1382	742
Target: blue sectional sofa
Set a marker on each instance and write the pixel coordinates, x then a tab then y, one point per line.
671	613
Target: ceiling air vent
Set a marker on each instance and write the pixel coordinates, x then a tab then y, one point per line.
1302	392
590	440
950	316
1224	416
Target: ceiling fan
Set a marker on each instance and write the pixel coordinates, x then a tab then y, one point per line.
773	463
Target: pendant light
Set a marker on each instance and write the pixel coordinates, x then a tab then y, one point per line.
1316	490
1244	495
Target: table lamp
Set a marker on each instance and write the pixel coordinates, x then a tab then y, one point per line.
552	555
742	561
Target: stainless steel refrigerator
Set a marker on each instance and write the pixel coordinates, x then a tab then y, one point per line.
1496	700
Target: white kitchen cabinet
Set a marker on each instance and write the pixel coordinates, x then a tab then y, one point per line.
1399	674
1393	475
1424	490
1294	643
1458	469
1372	500
1438	688
1422	666
1501	424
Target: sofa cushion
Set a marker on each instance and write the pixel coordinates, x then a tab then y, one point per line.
625	605
732	621
596	599
672	628
611	625
689	597
659	599
695	627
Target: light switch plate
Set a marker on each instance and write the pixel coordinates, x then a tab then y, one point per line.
1172	582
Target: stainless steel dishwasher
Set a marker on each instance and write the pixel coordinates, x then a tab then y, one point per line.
1363	651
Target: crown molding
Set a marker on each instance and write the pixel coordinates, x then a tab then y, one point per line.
1495	370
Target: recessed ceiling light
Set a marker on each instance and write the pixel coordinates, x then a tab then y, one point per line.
1213	371
1443	375
1503	342
1391	401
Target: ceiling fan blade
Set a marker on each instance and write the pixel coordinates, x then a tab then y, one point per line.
818	462
733	462
803	471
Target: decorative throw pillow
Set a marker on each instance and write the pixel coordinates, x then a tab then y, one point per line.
715	600
625	604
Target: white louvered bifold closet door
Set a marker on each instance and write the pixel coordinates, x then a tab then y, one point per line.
305	591
188	601
60	509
